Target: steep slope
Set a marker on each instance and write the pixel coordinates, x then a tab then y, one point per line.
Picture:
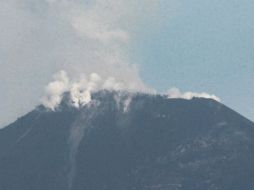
123	141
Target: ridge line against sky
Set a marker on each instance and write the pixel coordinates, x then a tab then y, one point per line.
202	47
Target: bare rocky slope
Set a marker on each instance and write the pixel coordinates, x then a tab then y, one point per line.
123	141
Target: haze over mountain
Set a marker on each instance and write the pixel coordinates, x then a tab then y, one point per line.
129	141
194	45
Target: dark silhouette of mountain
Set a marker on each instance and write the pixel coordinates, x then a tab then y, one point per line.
123	141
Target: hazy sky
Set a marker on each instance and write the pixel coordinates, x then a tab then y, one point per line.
204	46
194	45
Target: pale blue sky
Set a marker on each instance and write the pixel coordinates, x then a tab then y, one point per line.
194	45
202	45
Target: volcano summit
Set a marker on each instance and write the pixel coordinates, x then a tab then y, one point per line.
129	141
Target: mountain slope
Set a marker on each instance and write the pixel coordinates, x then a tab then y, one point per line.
123	141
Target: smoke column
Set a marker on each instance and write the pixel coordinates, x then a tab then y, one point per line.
40	38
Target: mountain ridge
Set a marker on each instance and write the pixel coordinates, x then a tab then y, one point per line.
150	142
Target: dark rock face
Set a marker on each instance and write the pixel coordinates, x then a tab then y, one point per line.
148	143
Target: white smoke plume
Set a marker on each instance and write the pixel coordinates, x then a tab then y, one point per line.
102	27
81	90
39	38
55	90
176	93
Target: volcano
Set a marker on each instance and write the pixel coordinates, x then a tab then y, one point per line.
129	141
